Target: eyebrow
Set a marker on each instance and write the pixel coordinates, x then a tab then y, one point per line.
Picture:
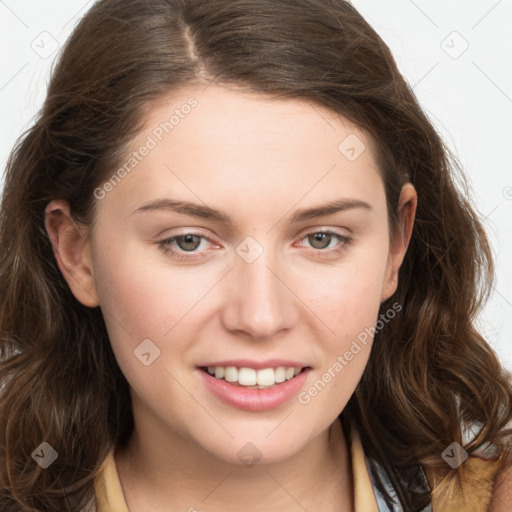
205	212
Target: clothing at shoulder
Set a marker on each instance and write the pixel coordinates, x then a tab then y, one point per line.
477	488
474	497
107	488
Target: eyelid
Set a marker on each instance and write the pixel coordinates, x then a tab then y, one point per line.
338	231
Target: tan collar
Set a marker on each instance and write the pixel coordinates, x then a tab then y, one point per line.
110	498
364	497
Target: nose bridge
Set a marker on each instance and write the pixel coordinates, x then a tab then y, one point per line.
260	303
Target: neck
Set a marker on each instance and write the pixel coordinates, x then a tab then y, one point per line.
182	476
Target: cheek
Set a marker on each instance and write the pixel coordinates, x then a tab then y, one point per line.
349	308
143	298
347	296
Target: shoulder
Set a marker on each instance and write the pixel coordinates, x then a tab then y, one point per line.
472	492
481	483
501	500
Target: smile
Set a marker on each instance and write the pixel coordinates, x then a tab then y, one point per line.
254	389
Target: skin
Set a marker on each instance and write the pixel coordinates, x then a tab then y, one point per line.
260	160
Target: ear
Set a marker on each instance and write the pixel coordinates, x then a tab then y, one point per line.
71	248
400	240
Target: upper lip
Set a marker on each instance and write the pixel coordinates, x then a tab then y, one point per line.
256	365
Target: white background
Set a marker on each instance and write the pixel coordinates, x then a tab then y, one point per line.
456	55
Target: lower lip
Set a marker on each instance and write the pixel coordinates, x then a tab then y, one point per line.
252	399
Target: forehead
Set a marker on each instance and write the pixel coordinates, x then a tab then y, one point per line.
242	118
216	141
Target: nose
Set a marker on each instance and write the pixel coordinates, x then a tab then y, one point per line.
259	302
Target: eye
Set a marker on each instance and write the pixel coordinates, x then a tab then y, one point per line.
185	243
321	240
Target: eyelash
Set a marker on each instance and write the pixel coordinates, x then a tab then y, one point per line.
165	246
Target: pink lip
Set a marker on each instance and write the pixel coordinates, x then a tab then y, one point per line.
254	399
246	363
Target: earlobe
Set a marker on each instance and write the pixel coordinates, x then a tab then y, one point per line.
71	248
401	238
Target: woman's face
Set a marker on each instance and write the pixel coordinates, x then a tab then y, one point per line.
207	251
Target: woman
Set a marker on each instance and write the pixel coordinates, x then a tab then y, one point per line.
236	274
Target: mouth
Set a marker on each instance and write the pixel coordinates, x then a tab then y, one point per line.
251	378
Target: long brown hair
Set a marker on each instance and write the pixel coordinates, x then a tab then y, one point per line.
429	368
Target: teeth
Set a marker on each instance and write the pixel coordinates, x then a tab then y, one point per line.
280	374
230	374
249	377
266	377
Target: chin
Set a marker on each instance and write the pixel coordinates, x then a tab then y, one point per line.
247	450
